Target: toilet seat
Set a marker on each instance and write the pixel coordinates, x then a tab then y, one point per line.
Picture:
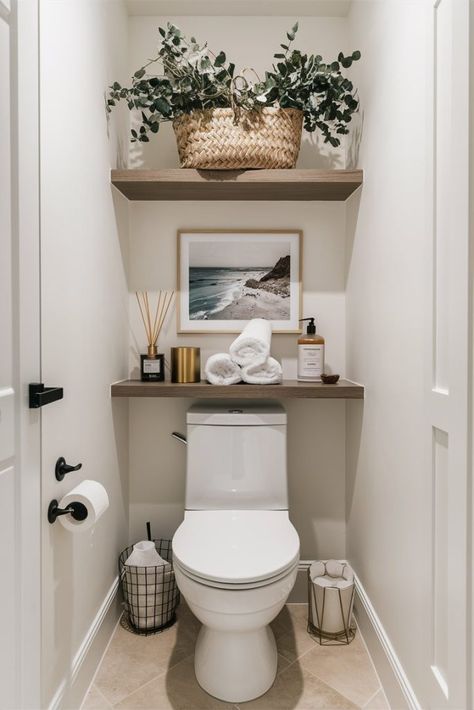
237	586
236	549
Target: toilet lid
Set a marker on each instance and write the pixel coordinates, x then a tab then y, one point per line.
236	546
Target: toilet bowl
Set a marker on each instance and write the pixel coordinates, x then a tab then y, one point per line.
236	568
236	553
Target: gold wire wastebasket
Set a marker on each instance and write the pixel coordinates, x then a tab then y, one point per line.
330	602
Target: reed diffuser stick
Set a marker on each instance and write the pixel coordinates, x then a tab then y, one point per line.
148	334
154	325
162	320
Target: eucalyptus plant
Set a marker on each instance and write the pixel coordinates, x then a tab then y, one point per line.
193	78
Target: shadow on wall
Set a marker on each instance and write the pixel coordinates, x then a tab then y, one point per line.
120	425
316	476
352	213
354	140
354	421
62	602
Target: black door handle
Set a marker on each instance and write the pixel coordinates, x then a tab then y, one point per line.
62	468
39	395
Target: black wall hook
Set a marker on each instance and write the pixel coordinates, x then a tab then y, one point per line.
62	468
77	510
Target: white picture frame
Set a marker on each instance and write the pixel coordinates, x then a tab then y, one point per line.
218	273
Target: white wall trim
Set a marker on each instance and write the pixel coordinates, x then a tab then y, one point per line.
389	651
5	12
85	646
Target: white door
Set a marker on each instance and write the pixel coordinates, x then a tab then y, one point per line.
448	350
19	359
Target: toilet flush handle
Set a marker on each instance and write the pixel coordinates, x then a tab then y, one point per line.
179	437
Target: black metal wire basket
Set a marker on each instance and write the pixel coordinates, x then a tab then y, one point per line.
150	594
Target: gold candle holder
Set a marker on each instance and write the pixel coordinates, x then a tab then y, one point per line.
185	365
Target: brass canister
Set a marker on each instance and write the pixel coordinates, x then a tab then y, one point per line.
185	365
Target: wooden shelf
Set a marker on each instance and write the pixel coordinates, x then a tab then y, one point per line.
344	389
184	184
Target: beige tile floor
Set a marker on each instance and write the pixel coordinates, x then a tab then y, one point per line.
156	672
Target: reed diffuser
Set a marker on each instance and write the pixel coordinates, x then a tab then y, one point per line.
152	365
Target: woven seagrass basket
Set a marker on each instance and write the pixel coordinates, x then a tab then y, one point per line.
219	139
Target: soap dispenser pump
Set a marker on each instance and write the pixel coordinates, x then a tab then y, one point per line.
310	354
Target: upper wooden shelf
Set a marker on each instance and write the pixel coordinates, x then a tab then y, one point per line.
184	184
344	389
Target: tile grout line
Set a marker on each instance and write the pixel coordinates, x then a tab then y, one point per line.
166	670
373	696
310	650
109	705
339	691
306	670
370	658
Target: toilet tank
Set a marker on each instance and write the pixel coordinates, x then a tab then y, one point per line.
236	456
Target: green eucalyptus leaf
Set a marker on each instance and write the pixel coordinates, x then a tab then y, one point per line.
138	74
220	59
162	106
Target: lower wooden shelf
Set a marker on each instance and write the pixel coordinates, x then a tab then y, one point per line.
344	389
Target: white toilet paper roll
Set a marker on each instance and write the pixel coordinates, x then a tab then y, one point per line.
93	496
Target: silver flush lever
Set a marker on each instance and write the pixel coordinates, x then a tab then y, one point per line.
179	437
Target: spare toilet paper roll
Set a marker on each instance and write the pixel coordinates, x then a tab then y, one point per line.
93	496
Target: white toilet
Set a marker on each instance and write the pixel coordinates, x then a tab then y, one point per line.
236	553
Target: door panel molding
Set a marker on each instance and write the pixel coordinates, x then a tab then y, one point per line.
447	410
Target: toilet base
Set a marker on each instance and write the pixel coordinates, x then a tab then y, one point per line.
235	666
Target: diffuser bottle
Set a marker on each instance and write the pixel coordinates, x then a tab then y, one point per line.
152	365
310	354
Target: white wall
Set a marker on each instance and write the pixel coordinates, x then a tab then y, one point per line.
316	429
84	329
389	477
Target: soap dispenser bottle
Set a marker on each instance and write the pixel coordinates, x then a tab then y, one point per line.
310	354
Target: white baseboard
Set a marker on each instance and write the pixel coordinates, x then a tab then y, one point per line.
397	687
70	692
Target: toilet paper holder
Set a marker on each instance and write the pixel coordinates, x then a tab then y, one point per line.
77	510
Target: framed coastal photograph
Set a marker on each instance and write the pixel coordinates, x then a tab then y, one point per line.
226	278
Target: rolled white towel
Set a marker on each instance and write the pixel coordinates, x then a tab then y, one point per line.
220	370
253	344
145	554
266	373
